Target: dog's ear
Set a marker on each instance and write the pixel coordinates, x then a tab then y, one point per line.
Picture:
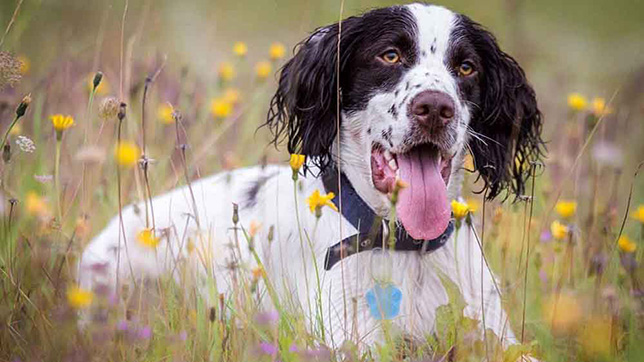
304	108
508	120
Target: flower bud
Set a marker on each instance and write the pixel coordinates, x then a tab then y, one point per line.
22	107
97	79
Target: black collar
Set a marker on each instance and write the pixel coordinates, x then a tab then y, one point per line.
372	229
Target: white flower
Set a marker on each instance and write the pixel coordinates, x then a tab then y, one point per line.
25	144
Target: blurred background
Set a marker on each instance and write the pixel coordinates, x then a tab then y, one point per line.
216	62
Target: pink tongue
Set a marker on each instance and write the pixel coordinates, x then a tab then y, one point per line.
422	206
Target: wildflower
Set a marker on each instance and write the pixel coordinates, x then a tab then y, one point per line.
36	205
98	84
109	108
240	49
468	162
147	238
257	272
296	161
577	102
164	113
595	337
127	154
25	64
9	70
81	229
598	106
268	348
277	51
231	95
220	108
566	208
226	72
317	201
266	318
639	214
79	298
563	312
558	230
460	209
16	130
626	245
25	144
472	204
144	333
263	70
253	228
61	123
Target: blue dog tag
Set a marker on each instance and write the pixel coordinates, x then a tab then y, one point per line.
384	301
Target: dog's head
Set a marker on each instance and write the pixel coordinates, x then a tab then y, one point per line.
418	85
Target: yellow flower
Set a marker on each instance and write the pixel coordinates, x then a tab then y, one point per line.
25	64
147	238
317	201
577	102
127	154
625	244
231	95
79	298
240	49
253	228
226	72
558	230
258	272
221	108
460	209
16	130
164	112
468	162
595	337
566	208
472	204
61	122
563	311
296	161
263	69
36	205
639	214
103	87
277	51
598	105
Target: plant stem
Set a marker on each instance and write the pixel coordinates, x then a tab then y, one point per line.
57	180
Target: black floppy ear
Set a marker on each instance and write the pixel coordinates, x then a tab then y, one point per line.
509	120
304	108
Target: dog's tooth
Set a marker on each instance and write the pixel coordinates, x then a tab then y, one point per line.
388	155
393	164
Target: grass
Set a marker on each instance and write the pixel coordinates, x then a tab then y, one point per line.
572	290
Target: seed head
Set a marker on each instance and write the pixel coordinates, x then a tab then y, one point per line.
109	108
9	70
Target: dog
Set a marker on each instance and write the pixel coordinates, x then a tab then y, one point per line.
396	94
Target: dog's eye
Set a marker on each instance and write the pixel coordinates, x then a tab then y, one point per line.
465	69
390	56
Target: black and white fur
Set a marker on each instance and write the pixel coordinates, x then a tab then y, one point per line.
495	117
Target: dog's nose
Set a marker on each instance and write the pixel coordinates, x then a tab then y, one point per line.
432	109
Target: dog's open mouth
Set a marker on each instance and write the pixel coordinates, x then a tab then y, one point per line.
422	206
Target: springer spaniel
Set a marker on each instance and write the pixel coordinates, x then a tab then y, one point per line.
418	86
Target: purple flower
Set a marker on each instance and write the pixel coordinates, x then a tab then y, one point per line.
293	348
267	318
545	236
122	325
183	335
268	348
145	333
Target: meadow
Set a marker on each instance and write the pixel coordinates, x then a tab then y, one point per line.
107	103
